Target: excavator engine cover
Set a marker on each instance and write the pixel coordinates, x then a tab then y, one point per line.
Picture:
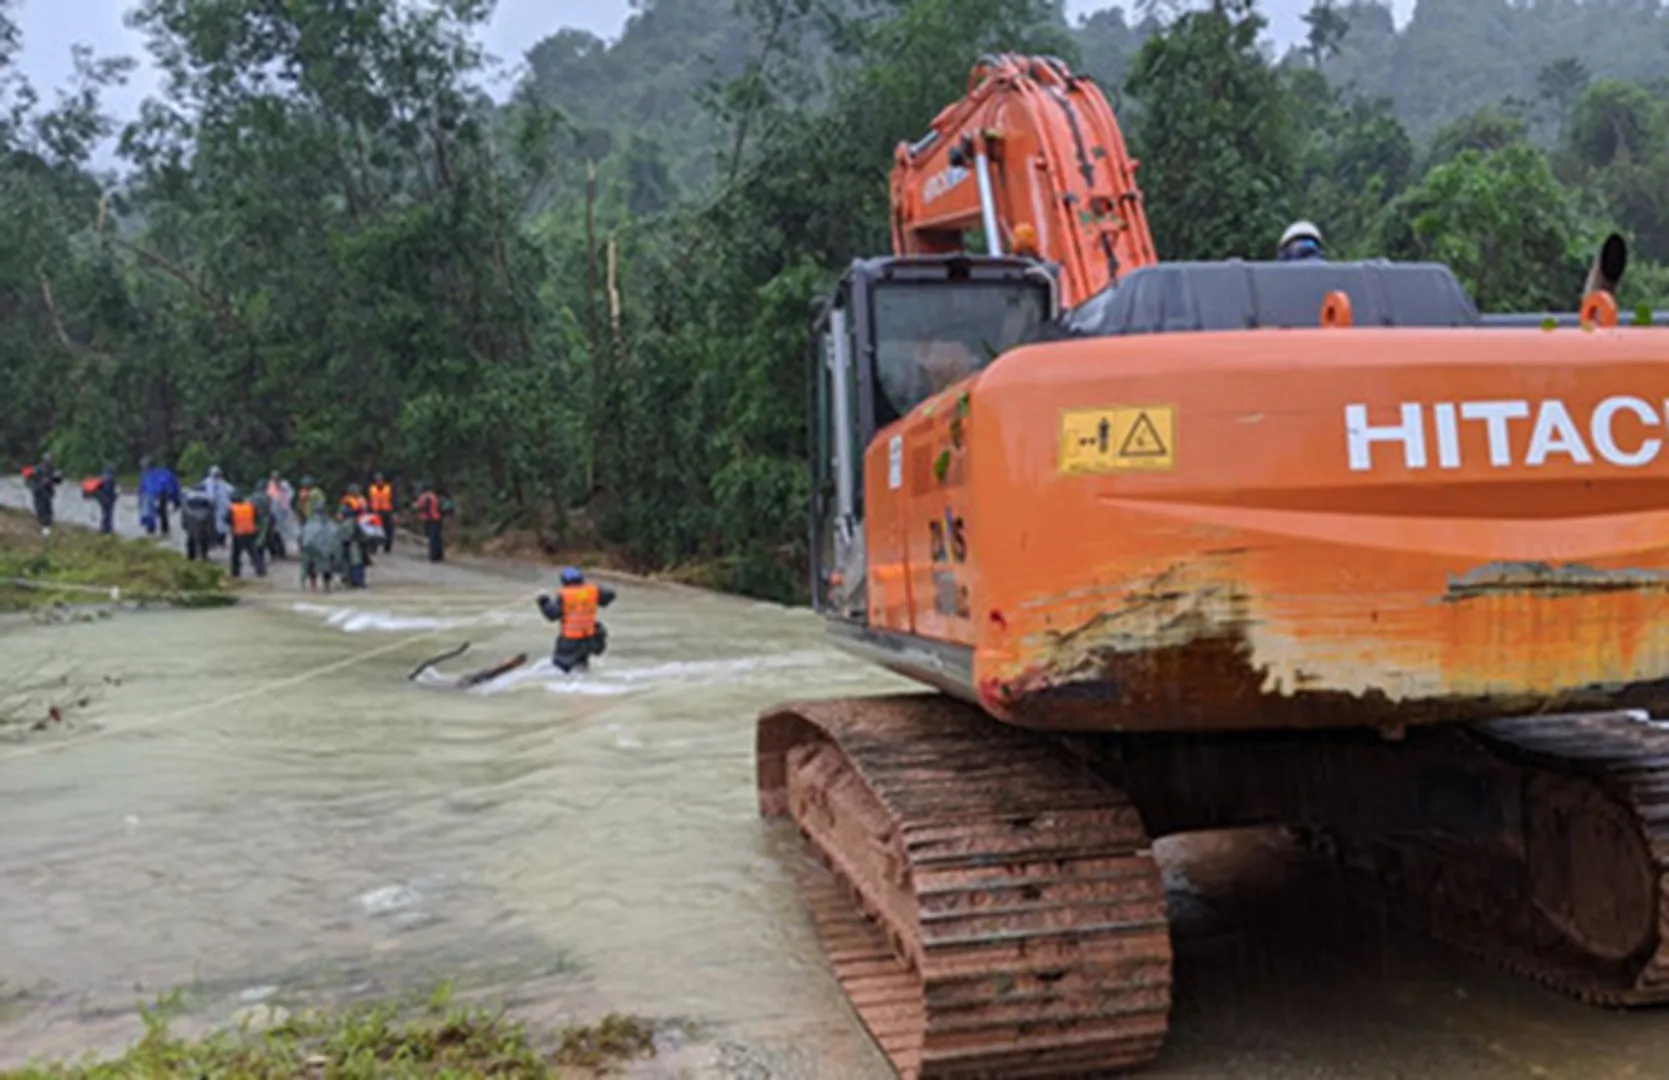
1246	295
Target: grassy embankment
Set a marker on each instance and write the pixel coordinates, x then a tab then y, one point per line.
376	1040
68	567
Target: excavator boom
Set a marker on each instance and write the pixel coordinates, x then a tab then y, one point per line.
1034	159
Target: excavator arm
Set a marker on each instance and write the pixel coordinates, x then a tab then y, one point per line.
1032	157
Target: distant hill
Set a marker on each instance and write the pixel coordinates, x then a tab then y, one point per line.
1453	58
1457	56
649	80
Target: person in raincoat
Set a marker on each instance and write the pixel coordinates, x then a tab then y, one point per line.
321	547
44	479
353	547
220	490
265	529
197	522
159	488
281	497
312	497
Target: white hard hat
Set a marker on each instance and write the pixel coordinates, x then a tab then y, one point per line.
1300	229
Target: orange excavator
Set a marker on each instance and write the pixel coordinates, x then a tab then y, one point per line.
1227	544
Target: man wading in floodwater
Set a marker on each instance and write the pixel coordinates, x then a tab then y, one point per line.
575	607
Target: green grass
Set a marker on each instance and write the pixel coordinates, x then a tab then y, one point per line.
78	560
377	1040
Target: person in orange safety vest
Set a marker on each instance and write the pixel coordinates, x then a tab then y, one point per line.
353	505
352	502
382	504
246	536
431	510
575	606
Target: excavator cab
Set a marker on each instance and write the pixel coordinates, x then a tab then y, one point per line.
895	331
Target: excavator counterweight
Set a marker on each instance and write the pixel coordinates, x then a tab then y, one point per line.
1192	546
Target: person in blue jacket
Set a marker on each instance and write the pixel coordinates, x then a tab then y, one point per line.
158	489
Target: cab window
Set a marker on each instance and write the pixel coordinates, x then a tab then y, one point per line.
930	336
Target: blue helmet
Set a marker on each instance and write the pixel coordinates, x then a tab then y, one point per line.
571	576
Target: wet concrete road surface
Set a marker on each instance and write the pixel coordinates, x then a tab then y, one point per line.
255	806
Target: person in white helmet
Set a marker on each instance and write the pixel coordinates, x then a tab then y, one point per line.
1302	240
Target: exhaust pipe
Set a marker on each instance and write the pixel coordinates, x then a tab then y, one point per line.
1607	270
1604	275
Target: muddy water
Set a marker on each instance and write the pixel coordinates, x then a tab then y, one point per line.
252	806
255	806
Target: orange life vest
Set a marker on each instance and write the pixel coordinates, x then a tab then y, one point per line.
243	519
353	503
428	506
382	498
90	486
579	611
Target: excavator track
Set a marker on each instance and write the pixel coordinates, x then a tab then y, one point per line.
1575	895
992	908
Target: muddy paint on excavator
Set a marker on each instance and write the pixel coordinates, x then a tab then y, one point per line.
1281	528
1119	520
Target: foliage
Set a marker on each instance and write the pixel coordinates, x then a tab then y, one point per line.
1457	56
1355	159
1501	221
378	1039
1217	136
584	311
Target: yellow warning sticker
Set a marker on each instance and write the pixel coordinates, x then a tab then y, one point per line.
1118	438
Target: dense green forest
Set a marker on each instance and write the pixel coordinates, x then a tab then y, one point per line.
583	311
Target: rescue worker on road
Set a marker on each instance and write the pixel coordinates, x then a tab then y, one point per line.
353	506
158	487
352	502
311	499
575	606
245	528
321	548
352	545
220	490
44	479
382	505
197	522
281	497
265	528
105	495
430	511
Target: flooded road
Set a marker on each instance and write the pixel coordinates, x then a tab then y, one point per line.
254	805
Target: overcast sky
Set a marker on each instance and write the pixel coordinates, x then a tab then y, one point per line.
50	27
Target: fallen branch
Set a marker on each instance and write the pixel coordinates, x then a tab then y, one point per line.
432	661
228	313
